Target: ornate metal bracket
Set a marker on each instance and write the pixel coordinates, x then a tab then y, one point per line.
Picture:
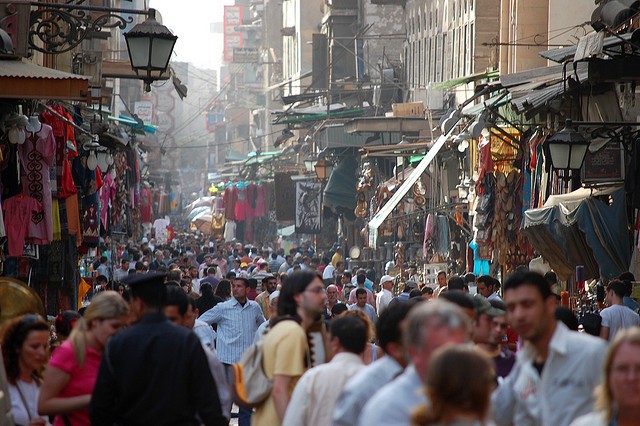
59	27
61	30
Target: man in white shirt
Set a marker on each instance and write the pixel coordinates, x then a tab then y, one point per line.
328	275
487	287
384	296
617	316
556	371
389	332
428	327
316	393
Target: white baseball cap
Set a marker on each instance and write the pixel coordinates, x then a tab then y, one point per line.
386	278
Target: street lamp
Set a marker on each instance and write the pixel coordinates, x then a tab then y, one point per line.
567	149
150	45
323	169
310	163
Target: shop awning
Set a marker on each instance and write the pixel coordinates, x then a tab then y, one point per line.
128	121
263	157
449	84
563	54
24	80
585	227
387	124
340	192
418	170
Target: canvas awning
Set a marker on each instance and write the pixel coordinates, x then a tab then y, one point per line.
585	227
340	192
25	80
418	170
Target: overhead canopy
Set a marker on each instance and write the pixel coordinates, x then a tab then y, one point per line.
24	80
583	227
535	88
340	192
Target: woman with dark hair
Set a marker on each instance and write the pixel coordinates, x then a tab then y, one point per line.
286	349
25	342
223	290
208	300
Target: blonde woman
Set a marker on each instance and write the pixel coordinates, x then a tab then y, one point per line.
72	371
618	397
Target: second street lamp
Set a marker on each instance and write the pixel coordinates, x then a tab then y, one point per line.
150	45
567	149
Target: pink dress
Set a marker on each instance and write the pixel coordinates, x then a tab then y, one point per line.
17	213
37	155
82	381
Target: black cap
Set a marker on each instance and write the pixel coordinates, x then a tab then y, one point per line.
150	278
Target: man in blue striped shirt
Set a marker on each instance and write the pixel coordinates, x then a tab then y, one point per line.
237	319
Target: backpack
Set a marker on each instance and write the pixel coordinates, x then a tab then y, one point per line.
249	384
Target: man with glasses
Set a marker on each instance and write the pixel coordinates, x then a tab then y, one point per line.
286	349
489	327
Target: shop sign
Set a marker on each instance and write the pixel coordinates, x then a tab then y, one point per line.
605	165
232	39
245	55
144	110
308	207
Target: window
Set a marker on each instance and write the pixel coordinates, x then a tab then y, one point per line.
443	62
465	51
472	47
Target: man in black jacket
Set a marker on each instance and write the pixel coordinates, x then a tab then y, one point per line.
154	373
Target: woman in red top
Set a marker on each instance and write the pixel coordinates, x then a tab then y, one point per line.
72	371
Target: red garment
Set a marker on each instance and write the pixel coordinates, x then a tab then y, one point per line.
17	217
145	206
230	198
485	161
241	205
252	294
252	195
260	210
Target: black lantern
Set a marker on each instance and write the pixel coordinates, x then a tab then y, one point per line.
150	45
323	168
567	149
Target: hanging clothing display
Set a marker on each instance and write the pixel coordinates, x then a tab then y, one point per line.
145	206
160	227
3	232
107	196
18	211
36	156
90	227
73	218
230	198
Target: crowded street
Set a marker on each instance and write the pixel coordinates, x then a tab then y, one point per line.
319	213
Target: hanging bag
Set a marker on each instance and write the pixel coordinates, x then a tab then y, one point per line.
249	384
